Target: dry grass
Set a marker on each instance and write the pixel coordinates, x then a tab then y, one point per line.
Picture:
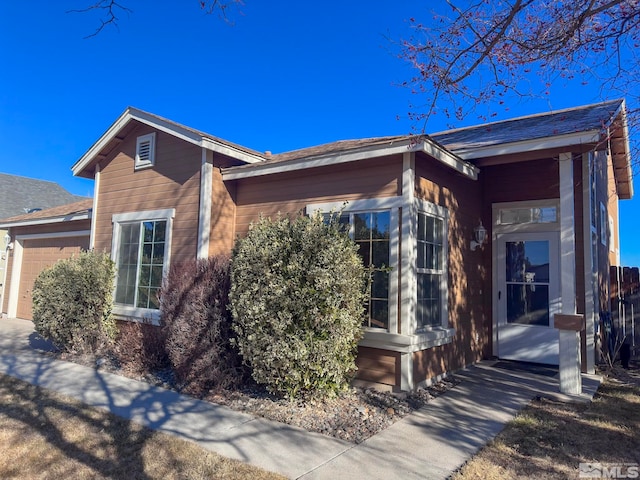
47	435
548	440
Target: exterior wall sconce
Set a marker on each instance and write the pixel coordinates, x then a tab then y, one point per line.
479	237
7	242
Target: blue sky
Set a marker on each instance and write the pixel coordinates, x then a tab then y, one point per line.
285	75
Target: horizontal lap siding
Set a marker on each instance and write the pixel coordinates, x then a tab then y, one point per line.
378	366
469	281
173	182
522	181
290	193
223	210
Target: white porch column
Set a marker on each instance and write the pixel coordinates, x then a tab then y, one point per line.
408	288
569	340
94	208
591	307
206	194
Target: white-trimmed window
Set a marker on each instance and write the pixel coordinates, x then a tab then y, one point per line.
145	151
604	224
431	267
373	225
141	246
371	231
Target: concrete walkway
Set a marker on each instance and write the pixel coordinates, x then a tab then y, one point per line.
430	443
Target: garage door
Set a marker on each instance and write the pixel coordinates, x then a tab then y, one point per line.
38	254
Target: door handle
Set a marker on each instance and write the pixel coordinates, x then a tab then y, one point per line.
499	294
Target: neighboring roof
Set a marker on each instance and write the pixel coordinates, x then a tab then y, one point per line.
127	121
72	211
351	150
19	194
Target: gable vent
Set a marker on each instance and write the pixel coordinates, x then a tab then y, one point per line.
145	151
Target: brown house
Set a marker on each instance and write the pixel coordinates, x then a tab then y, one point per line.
489	231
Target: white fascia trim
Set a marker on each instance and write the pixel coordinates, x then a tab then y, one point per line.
163	126
427	147
580	138
454	161
45	221
305	163
230	151
407	343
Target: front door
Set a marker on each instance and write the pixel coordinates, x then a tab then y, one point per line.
528	296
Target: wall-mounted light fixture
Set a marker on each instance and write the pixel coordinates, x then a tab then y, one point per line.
7	242
479	237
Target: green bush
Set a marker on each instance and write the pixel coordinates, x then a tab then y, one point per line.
197	325
297	297
72	302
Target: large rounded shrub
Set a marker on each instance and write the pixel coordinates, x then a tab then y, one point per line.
72	302
297	299
196	323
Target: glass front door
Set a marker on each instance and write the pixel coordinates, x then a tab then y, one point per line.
528	296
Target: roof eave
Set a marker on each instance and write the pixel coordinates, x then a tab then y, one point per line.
46	221
426	146
579	138
164	126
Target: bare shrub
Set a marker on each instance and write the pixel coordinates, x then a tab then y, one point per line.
197	325
140	347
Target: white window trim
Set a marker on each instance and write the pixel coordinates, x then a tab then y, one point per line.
142	164
438	211
390	204
389	339
134	313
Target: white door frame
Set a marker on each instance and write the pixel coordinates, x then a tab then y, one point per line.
500	228
515	340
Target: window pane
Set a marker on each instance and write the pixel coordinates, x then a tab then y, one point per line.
364	250
380	225
380	285
361	227
421	255
528	304
379	314
428	301
160	231
380	251
148	231
527	261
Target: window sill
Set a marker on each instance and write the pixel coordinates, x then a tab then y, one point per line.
133	314
407	343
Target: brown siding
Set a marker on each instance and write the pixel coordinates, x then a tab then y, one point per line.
517	182
174	182
223	211
289	193
378	366
469	275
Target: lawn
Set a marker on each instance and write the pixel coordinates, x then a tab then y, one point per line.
47	435
548	440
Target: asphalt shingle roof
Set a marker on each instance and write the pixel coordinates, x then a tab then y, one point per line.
19	194
532	127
